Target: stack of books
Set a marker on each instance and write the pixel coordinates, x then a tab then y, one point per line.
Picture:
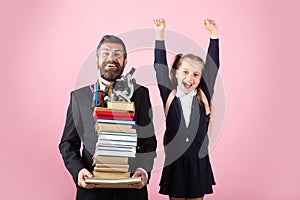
117	141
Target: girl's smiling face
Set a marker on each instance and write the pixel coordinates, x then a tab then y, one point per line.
189	75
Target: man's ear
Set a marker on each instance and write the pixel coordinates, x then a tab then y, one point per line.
125	62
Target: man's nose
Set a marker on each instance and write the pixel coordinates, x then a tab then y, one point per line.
111	56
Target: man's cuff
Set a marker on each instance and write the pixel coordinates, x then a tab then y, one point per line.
144	172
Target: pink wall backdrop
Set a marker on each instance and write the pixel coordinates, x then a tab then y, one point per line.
45	43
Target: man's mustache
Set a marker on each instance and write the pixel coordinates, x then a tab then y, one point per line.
111	62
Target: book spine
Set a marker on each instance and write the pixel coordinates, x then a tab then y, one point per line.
113	113
115	153
111	175
102	127
110	169
122	118
108	121
98	159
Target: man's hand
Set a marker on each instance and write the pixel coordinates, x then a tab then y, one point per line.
159	27
139	173
211	26
84	173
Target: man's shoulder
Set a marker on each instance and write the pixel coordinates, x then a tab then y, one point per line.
82	90
140	93
139	88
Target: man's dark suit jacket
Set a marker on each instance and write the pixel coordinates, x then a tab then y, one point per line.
79	129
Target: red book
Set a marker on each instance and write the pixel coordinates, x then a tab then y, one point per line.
113	117
107	113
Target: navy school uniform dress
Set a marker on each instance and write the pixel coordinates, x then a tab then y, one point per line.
187	170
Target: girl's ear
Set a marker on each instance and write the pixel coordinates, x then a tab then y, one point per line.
176	74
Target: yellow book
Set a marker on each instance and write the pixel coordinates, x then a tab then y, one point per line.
120	105
111	168
111	175
111	165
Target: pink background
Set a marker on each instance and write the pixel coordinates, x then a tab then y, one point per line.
43	45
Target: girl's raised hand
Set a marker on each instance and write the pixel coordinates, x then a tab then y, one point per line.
159	27
159	24
211	26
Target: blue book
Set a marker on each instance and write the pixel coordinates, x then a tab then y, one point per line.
109	121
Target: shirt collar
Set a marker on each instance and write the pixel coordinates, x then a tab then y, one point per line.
103	86
179	93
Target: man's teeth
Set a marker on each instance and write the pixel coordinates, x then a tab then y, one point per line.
110	65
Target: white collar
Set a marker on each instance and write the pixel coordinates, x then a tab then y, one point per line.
102	86
179	93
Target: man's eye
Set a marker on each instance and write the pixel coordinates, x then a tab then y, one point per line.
118	54
105	53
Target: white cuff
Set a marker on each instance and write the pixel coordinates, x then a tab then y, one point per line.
144	172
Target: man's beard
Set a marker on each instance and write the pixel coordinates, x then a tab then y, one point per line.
111	74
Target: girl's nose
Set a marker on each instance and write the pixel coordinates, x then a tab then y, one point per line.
189	76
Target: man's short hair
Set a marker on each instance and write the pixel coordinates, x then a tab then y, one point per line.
111	39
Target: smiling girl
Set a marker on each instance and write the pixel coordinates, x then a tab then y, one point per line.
186	95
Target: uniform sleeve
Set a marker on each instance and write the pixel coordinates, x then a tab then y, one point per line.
146	146
211	68
162	70
70	143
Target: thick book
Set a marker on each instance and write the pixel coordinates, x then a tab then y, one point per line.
107	113
118	183
99	159
118	105
133	135
118	137
111	165
111	175
111	169
112	117
116	148
114	128
124	153
117	142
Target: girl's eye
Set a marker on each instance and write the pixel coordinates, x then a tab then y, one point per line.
196	75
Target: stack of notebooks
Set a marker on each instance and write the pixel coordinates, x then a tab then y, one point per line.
117	141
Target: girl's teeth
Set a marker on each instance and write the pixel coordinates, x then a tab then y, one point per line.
187	84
